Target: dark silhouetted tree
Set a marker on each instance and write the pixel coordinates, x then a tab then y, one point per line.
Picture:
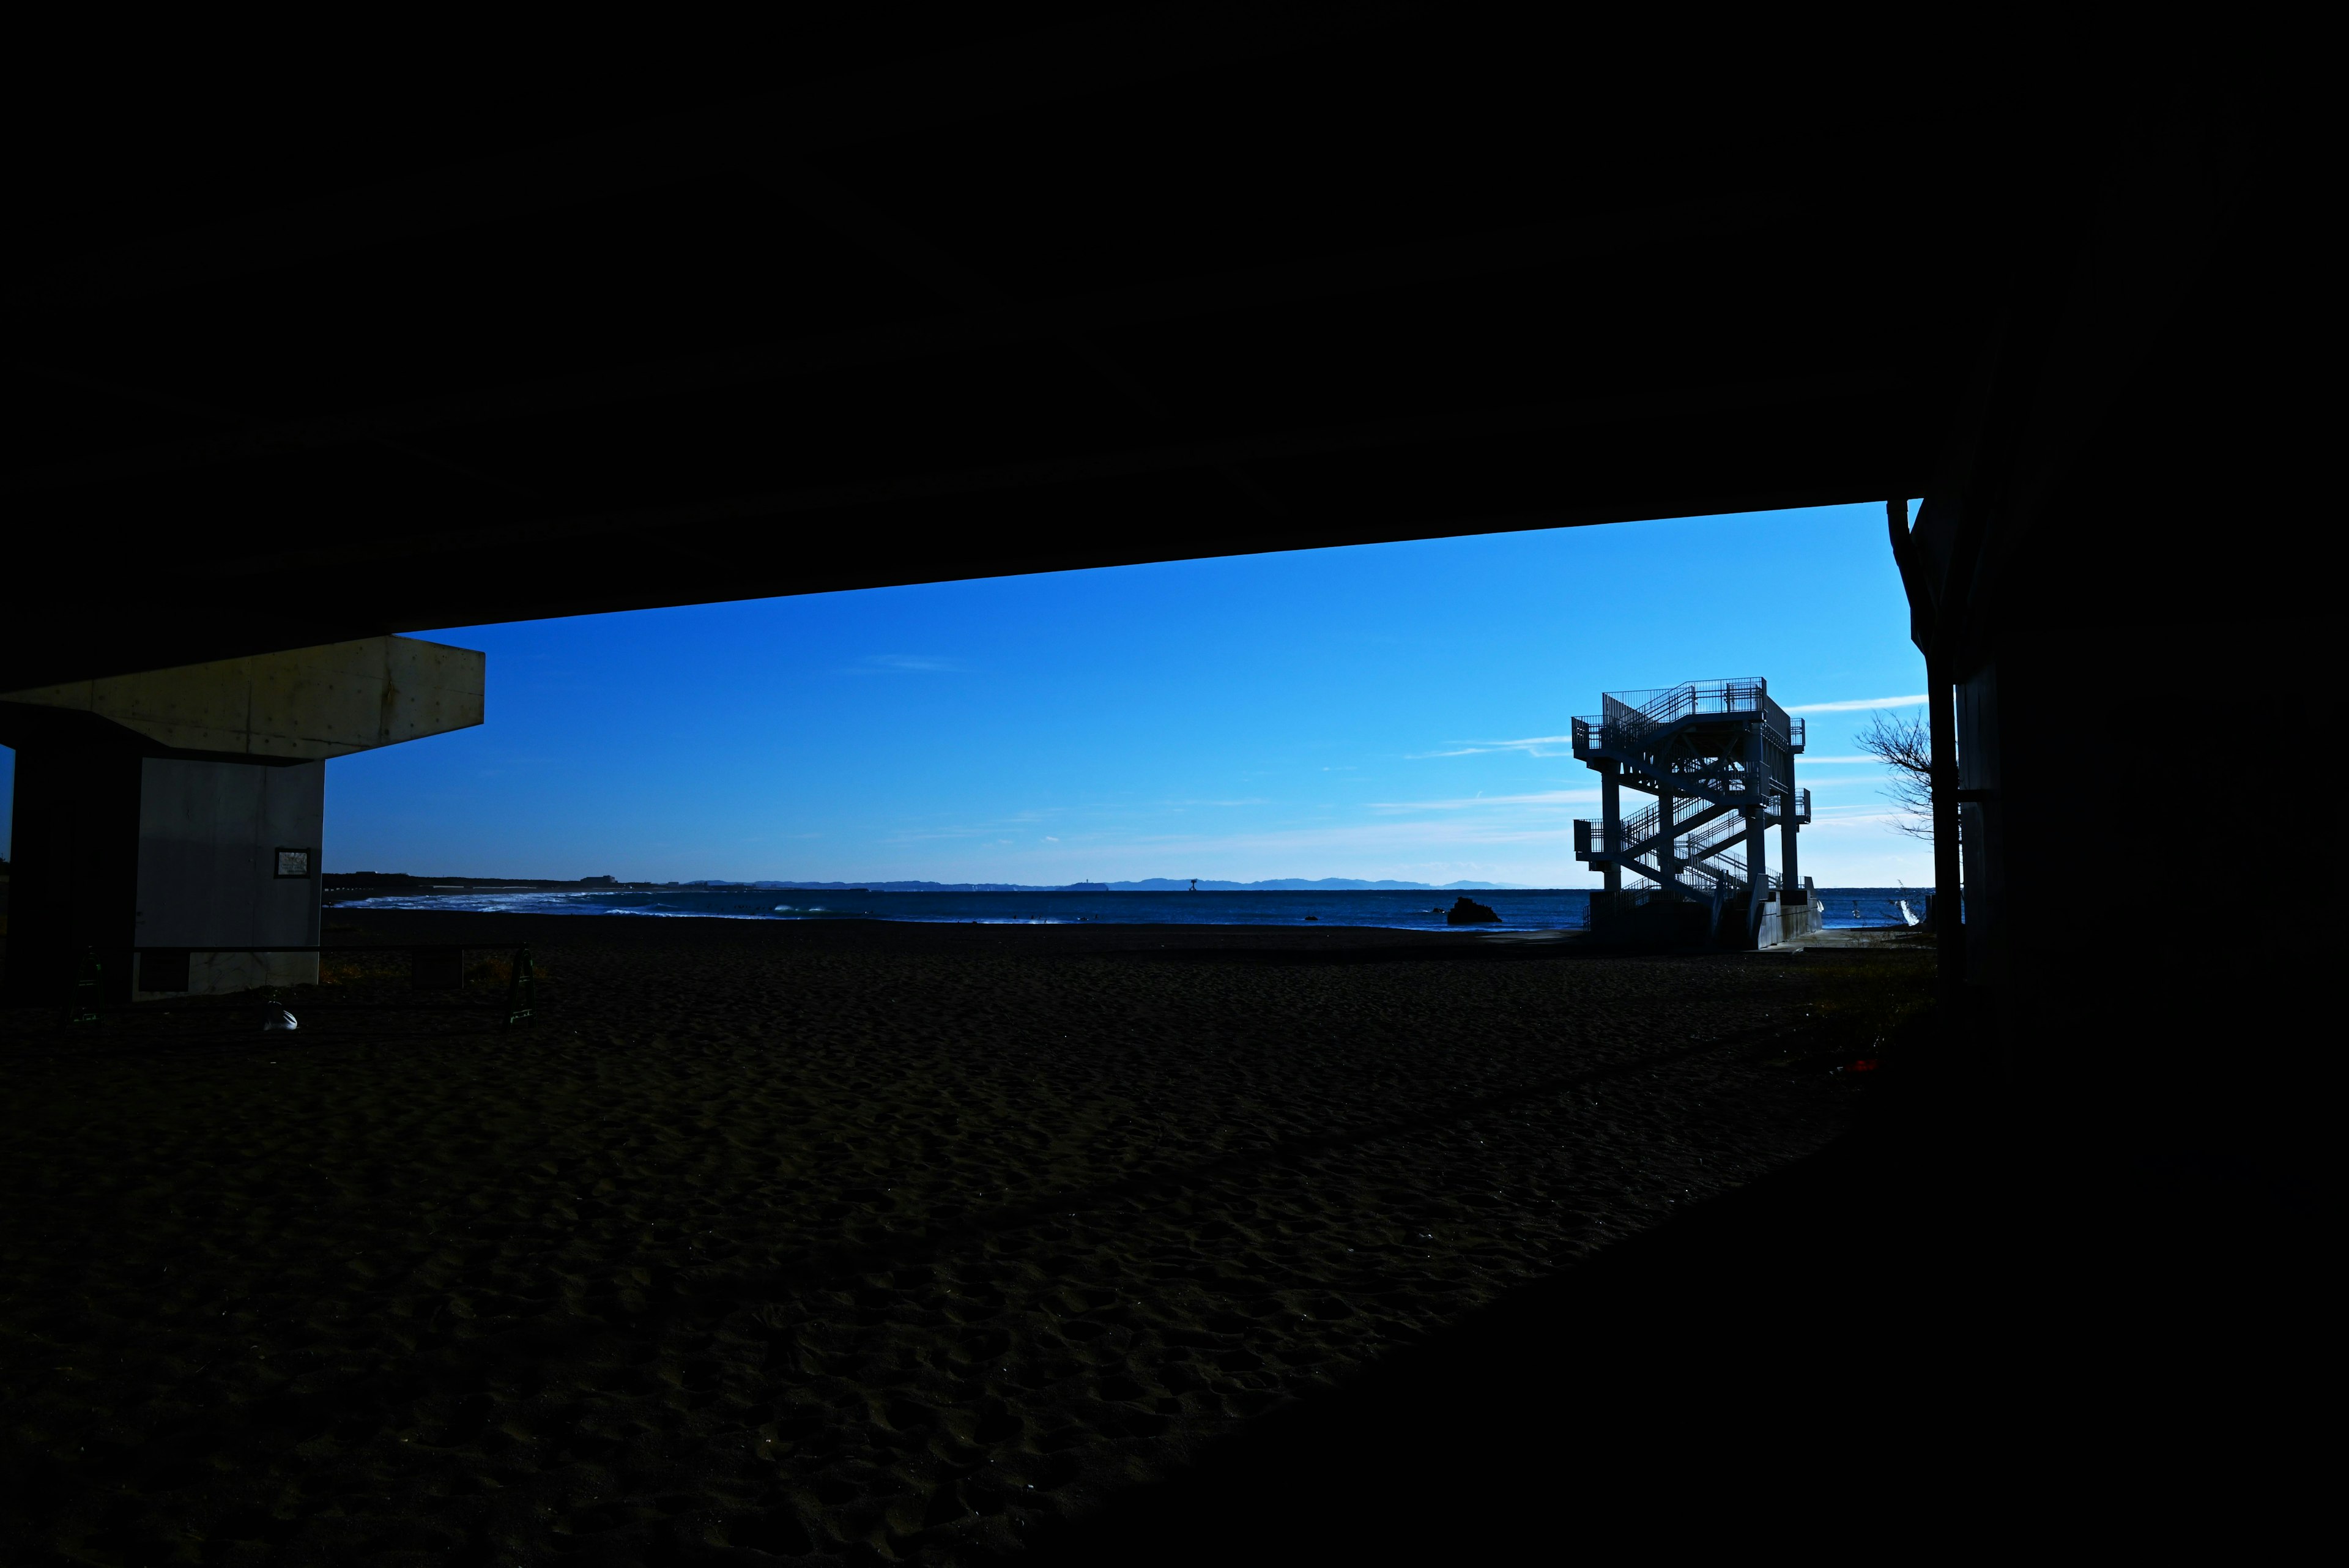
1905	746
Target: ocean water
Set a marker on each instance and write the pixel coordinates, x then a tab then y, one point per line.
1554	908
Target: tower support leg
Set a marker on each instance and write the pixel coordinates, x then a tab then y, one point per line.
1757	873
1610	801
1665	863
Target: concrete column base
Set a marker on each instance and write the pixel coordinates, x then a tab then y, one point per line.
1782	923
221	974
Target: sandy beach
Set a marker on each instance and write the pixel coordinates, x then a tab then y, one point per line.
817	1242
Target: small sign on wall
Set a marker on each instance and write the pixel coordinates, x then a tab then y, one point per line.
294	863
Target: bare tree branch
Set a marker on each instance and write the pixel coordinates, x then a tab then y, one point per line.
1905	746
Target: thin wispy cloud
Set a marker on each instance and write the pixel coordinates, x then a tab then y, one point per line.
981	831
1531	745
908	663
1373	848
1874	820
1555	797
1860	704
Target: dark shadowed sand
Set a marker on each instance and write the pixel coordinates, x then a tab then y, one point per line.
840	1243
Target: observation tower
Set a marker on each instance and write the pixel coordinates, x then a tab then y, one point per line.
1719	758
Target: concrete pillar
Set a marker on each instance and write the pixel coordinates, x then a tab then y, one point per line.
1982	829
1788	875
74	864
183	809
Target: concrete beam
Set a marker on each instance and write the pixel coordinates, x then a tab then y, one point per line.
991	322
1665	408
304	705
937	91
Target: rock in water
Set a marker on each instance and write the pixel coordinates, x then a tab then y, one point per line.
1467	911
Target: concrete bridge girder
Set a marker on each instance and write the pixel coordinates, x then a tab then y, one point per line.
304	705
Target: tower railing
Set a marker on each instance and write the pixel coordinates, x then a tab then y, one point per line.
1729	872
1590	832
1719	830
1625	716
1669	704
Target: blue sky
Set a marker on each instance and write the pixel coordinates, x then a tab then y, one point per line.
1375	711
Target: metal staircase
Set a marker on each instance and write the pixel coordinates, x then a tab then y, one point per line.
1719	757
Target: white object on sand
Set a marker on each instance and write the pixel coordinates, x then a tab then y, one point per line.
279	1018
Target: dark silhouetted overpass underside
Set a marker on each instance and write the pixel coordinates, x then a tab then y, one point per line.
298	359
302	358
1164	285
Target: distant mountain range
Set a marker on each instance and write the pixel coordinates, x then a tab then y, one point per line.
1148	884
